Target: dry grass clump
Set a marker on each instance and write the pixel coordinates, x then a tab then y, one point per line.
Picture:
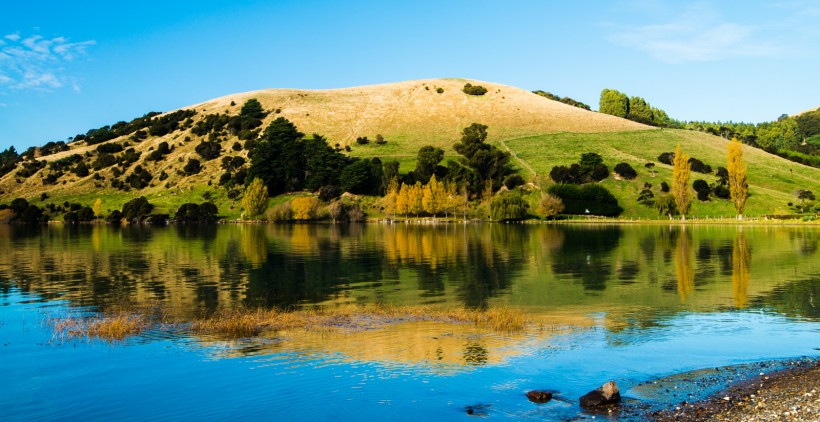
238	323
246	322
113	327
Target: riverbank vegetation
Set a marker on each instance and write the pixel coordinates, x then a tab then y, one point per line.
246	322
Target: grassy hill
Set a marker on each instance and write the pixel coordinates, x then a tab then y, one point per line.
539	133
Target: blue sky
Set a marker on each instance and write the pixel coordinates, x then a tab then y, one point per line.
66	67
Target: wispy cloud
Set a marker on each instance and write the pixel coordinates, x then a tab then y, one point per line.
698	34
37	63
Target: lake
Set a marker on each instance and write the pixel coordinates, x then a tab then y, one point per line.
629	303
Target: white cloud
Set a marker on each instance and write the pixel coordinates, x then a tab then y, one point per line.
38	63
696	35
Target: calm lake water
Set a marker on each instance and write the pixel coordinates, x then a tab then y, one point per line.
628	303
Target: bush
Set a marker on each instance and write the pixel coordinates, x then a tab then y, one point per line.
137	209
362	140
440	90
305	208
209	150
626	171
380	140
336	210
280	213
355	214
702	188
139	178
157	155
586	199
550	206
664	187
470	89
508	207
667	158
665	204
646	196
110	148
513	181
699	166
193	213
192	167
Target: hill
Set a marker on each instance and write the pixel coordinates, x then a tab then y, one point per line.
537	131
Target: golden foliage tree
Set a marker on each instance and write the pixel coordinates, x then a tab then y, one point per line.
403	200
680	182
390	197
305	208
738	187
255	199
97	208
415	203
433	195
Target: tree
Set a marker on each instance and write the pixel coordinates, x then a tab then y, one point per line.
415	204
97	208
255	199
508	207
614	103
549	206
680	182
305	208
433	197
738	187
804	195
640	111
486	160
427	162
403	200
253	109
390	196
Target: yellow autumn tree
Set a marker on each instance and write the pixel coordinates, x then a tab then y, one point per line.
416	206
255	199
390	197
97	208
738	187
432	198
403	200
681	170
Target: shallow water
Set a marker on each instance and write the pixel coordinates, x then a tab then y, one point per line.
628	303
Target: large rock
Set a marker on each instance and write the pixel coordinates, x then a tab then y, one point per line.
605	395
538	396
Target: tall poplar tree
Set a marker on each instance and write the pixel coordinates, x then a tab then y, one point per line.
255	199
738	187
680	182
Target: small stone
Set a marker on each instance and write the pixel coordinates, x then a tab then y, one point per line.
538	396
727	398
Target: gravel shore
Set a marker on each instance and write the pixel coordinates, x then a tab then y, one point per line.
792	394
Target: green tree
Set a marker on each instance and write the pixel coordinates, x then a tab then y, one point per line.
486	160
508	207
253	109
640	111
255	199
427	162
614	103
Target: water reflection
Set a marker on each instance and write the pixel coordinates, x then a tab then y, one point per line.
659	270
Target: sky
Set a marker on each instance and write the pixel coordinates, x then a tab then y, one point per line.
66	67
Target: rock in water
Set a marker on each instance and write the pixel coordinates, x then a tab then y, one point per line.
606	394
538	396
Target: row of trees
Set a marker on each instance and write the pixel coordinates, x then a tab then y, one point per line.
679	200
432	198
636	109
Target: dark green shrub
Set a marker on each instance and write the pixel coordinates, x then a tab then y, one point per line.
625	171
440	90
702	189
192	167
699	166
667	158
193	213
664	187
209	150
362	140
513	181
137	209
470	89
161	151
586	199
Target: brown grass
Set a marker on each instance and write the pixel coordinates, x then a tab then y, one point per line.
242	323
113	327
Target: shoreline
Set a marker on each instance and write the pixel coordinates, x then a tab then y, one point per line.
790	393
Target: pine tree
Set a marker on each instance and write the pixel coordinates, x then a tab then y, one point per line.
680	182
738	187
